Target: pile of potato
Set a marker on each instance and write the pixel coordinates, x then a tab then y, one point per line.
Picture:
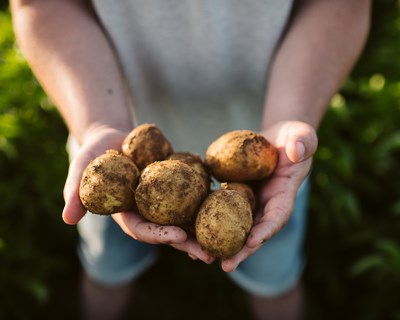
174	188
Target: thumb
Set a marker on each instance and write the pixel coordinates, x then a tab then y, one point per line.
73	209
301	143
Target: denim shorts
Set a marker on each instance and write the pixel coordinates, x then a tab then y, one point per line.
111	257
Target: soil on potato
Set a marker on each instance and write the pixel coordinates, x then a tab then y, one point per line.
175	288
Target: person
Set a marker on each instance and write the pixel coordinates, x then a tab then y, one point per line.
197	69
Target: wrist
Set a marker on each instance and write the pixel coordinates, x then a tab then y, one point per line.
281	116
101	131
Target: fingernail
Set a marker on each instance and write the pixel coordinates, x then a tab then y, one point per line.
300	150
192	257
229	269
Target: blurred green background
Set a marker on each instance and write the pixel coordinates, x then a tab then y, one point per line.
353	240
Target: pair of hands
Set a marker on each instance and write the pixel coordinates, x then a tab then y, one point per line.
296	142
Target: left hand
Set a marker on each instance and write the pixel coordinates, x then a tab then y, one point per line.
296	143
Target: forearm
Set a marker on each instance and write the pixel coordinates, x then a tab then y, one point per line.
74	63
322	44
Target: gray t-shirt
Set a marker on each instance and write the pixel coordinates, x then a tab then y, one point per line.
195	68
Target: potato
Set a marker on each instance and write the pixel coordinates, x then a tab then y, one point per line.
223	223
146	144
195	161
108	183
245	190
240	156
169	193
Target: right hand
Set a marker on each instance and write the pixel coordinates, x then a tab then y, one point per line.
131	222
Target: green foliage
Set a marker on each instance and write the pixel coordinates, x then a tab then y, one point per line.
354	240
35	246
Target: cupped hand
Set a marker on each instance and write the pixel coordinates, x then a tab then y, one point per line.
131	222
296	143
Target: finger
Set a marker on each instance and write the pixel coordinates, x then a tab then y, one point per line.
73	209
194	250
284	182
275	216
302	142
229	265
142	230
75	172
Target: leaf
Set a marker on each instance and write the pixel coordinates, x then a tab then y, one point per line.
9	126
390	249
39	291
366	264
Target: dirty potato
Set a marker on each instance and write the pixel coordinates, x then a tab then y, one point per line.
223	223
169	193
108	183
241	155
146	144
244	189
194	161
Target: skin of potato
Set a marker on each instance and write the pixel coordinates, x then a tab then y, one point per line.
146	144
108	183
245	190
194	161
240	156
223	223
169	193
